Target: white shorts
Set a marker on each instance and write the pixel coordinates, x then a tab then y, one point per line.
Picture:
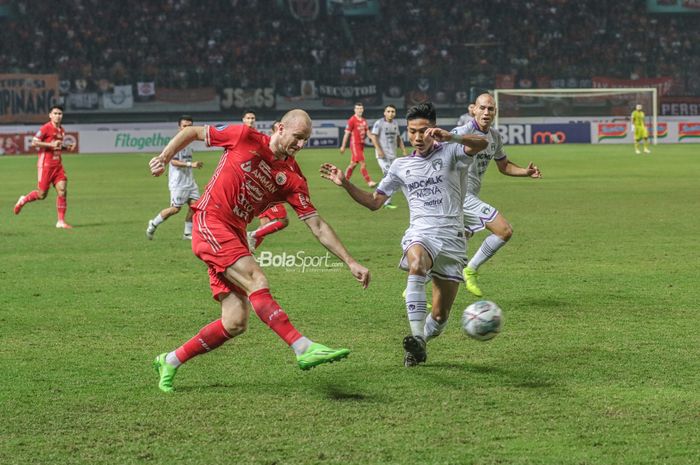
447	252
385	163
476	214
180	197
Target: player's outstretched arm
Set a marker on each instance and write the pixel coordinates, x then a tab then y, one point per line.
472	144
509	168
181	140
330	240
372	200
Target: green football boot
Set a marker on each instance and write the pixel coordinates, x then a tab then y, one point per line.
317	354
166	372
470	278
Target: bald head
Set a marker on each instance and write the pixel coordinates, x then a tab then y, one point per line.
292	132
484	111
296	116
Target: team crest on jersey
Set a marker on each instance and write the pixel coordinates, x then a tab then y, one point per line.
280	179
437	164
486	210
408	172
247	166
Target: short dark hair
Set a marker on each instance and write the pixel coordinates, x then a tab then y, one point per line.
390	106
422	110
184	118
59	107
248	111
359	104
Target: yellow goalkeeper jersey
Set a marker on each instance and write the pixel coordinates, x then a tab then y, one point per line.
638	118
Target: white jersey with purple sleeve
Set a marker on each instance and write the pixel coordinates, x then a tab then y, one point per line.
386	133
432	186
494	151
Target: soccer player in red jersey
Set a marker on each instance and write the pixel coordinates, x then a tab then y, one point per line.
49	140
254	172
274	218
356	130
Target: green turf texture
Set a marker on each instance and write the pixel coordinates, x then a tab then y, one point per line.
597	362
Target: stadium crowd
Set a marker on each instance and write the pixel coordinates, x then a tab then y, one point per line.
186	43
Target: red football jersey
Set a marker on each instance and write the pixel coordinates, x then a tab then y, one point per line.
49	133
249	179
358	130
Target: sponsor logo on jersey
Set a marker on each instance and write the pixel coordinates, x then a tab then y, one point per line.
264	180
265	168
423	183
280	178
254	191
247	166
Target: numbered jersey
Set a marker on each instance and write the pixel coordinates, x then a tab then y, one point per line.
494	151
49	133
249	179
432	185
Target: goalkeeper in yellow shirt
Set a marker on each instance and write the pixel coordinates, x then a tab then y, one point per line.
640	130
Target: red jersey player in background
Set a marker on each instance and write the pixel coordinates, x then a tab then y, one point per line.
49	140
356	130
254	172
274	218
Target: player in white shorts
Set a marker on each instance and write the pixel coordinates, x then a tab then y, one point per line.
478	214
183	187
434	243
384	136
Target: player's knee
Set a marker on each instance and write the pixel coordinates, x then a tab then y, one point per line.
506	233
284	222
235	326
42	195
418	267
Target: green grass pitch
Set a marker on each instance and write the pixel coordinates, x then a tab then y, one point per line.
597	362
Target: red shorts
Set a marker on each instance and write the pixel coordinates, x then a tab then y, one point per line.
358	153
219	246
276	212
50	175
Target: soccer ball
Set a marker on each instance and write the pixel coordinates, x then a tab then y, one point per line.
482	320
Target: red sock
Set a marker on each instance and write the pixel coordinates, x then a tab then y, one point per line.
269	311
61	208
269	228
348	172
207	339
31	197
365	174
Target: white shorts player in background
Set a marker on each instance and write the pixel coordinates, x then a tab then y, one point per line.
385	135
431	179
478	214
183	188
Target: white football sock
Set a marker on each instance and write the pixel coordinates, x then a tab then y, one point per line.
188	228
416	303
487	250
300	345
432	328
172	359
157	220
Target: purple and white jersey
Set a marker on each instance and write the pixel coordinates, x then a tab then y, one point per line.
432	186
494	151
181	178
464	119
386	133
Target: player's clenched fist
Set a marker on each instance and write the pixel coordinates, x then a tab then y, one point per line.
360	273
157	166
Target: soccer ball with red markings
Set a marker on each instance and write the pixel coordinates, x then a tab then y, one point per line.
482	320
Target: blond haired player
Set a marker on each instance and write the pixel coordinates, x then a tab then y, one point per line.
640	130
